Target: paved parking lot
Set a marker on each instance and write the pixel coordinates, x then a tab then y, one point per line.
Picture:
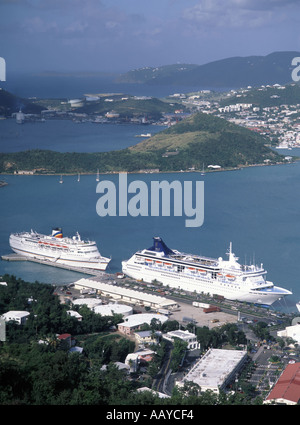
210	320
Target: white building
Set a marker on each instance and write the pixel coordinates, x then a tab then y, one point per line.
133	360
75	314
291	332
186	336
127	295
216	369
160	395
111	309
89	302
135	321
18	316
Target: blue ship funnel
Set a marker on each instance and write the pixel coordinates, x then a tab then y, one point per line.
160	246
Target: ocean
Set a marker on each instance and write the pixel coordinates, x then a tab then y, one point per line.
72	86
256	208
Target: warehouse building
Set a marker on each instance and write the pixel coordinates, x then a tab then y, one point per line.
216	369
129	296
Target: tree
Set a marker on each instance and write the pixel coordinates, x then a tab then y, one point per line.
177	353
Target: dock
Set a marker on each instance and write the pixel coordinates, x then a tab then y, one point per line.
17	257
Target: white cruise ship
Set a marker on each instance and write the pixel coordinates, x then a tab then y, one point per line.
195	273
55	248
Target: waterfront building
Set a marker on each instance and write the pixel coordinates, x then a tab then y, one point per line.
127	295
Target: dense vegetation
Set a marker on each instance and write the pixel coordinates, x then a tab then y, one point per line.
36	370
199	140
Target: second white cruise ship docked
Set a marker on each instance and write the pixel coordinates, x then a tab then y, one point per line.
195	273
55	248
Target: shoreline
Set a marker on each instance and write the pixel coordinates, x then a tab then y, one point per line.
30	173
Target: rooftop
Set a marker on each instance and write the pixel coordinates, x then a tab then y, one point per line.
287	387
211	371
139	319
125	293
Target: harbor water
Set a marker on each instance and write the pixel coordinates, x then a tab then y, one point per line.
256	208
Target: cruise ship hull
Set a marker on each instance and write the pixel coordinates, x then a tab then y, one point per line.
226	279
198	285
65	251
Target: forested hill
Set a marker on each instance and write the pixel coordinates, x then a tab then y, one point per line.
204	139
229	72
194	143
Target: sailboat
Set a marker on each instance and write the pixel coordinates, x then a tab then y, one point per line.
78	178
203	173
97	178
61	179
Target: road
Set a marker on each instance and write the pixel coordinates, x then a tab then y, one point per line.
160	381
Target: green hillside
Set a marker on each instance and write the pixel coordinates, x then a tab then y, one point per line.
205	139
198	141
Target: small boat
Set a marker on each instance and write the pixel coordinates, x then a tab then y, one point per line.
97	178
61	180
203	172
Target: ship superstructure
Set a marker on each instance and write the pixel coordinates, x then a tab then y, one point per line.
195	273
56	248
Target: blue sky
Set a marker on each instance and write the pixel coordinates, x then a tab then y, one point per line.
119	35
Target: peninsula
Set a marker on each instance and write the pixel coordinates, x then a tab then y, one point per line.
198	142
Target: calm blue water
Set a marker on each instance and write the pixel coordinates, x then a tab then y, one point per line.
68	136
257	209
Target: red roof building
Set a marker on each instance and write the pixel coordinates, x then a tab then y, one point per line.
287	388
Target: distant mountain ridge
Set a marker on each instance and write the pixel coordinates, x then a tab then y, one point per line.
231	72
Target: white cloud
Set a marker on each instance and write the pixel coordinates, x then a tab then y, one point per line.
238	13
